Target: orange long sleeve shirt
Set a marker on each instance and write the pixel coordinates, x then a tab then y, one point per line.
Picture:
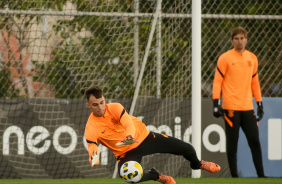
112	128
236	76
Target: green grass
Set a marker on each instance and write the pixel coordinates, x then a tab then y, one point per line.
119	181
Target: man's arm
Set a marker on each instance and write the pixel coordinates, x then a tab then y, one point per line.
91	139
93	153
257	92
218	79
256	87
255	82
126	121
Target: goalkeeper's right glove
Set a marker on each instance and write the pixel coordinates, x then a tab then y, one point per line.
128	140
260	111
95	159
94	154
217	110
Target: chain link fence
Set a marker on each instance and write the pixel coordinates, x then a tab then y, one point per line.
262	20
55	49
59	54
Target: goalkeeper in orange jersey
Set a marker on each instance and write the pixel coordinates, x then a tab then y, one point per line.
236	78
129	139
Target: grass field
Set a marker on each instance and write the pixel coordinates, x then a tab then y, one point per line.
119	181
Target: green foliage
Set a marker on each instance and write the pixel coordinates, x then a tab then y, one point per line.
70	73
23	24
4	82
102	46
69	69
264	38
6	87
57	72
34	5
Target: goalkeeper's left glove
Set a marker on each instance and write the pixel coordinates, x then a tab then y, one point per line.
128	140
260	111
217	110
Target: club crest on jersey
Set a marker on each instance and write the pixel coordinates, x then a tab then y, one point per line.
249	63
115	121
230	113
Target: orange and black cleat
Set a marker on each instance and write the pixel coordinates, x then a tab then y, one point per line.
163	178
210	166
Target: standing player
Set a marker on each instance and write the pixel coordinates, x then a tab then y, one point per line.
236	76
110	124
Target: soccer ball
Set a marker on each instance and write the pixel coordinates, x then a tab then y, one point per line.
131	172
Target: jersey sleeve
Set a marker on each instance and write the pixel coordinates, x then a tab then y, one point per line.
255	82
218	77
91	139
125	119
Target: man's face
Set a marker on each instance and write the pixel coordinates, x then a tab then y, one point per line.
239	42
97	105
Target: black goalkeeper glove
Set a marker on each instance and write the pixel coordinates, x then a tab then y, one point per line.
217	110
260	112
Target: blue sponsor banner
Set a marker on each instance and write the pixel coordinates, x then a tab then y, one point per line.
270	130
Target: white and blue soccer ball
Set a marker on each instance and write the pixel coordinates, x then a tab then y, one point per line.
131	172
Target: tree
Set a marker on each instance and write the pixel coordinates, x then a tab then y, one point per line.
15	31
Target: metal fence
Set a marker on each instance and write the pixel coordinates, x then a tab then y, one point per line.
55	49
59	48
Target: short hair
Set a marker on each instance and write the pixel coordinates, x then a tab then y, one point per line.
238	30
95	91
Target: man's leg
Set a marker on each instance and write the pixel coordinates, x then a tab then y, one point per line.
146	175
250	127
232	126
160	143
152	174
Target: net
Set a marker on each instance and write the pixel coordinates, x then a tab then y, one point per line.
52	50
56	51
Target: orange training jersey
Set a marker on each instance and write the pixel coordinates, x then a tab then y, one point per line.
237	76
112	128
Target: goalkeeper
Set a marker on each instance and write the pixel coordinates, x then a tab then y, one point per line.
236	76
129	139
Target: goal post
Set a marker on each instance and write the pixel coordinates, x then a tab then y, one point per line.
196	81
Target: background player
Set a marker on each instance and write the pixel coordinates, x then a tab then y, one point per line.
236	76
110	124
